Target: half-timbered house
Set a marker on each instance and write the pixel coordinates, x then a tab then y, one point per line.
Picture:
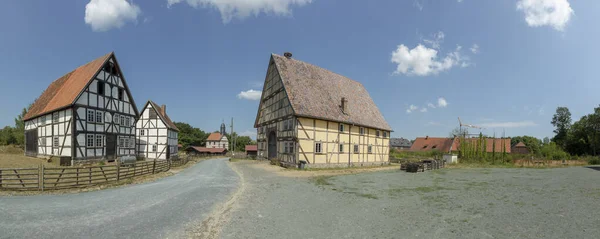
89	113
311	114
156	133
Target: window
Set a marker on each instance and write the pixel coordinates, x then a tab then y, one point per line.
154	148
341	148
341	127
377	133
362	130
152	114
291	145
55	141
99	117
285	125
370	149
99	141
121	142
318	148
90	116
90	140
55	117
356	148
285	147
100	86
120	94
123	120
385	134
142	132
127	122
116	119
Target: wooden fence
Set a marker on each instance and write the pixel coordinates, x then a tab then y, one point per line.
49	178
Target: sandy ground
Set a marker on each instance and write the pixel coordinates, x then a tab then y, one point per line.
447	203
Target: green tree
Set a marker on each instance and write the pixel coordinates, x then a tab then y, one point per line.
7	136
562	123
533	144
546	140
190	136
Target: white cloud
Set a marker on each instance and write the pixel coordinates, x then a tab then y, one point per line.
474	48
418	5
423	110
423	61
518	124
442	102
430	105
250	95
554	13
103	15
241	9
438	39
411	108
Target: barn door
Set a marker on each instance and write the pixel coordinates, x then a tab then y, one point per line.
272	150
31	142
111	146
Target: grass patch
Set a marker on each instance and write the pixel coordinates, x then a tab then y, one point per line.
322	180
364	195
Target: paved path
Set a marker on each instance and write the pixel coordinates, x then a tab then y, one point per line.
160	209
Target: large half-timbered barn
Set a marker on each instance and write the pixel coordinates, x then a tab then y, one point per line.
156	133
310	114
89	113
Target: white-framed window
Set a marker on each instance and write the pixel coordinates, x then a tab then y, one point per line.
362	130
99	141
341	148
142	132
99	117
55	141
154	146
370	149
90	115
123	120
318	147
121	142
116	119
90	140
356	148
377	133
385	134
55	118
341	127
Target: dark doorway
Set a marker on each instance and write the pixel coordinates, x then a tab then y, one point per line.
272	151
168	151
111	146
31	143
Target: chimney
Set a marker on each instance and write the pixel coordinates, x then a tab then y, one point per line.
344	105
287	55
164	109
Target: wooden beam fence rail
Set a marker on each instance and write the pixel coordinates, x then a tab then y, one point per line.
54	178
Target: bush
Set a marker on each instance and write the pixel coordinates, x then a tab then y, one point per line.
275	161
594	160
553	152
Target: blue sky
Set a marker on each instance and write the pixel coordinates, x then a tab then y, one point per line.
504	65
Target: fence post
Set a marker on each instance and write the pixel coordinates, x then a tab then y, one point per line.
90	175
41	178
0	178
153	166
118	167
77	177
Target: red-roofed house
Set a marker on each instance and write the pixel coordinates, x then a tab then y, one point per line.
217	140
520	148
448	145
251	150
194	150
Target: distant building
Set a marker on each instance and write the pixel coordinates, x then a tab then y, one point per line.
448	145
400	143
251	150
194	151
217	140
156	133
520	148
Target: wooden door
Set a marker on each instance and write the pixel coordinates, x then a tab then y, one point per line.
31	142
111	146
272	150
168	151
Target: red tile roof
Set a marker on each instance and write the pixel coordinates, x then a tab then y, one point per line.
423	144
251	148
521	144
214	137
63	92
163	115
207	150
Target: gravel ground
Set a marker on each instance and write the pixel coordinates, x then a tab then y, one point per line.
447	203
165	208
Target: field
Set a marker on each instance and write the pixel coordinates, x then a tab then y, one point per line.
446	203
13	157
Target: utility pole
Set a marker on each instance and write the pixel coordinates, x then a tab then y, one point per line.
232	148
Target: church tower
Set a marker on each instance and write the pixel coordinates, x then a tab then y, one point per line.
223	132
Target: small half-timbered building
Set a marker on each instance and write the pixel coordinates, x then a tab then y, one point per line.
156	133
89	113
311	114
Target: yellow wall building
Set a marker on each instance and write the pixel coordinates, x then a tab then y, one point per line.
310	114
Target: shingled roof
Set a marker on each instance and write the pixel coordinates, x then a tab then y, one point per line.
423	144
64	91
315	92
214	137
163	115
